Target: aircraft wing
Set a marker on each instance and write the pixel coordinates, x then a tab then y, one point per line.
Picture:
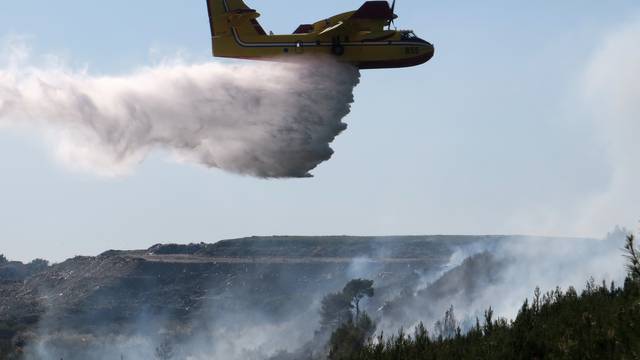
372	16
374	12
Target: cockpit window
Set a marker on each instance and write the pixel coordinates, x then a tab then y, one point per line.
408	35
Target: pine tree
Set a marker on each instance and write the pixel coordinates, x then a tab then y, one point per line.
633	258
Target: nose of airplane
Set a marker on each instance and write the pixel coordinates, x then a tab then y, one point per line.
430	50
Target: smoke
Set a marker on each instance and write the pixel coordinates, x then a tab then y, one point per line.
255	311
506	274
612	90
233	337
269	120
503	276
213	310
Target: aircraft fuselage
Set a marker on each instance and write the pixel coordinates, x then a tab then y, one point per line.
356	37
386	50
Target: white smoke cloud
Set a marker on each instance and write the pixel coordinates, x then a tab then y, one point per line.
260	119
612	93
508	276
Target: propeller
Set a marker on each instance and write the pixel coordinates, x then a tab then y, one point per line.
393	16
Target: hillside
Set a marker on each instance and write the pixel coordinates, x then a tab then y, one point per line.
601	322
194	289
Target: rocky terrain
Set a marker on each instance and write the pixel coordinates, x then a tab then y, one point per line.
191	288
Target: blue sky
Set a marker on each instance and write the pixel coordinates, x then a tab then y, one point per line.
488	137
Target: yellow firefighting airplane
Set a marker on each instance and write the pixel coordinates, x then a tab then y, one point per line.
363	37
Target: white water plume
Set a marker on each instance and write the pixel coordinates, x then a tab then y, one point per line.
269	120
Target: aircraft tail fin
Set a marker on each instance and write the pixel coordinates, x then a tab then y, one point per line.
228	15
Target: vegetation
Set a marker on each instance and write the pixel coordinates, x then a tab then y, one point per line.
350	338
633	258
344	307
10	345
17	271
37	265
340	313
14	272
602	322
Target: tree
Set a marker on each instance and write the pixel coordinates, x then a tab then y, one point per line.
3	260
350	338
356	290
618	234
447	328
38	265
349	333
633	258
337	308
